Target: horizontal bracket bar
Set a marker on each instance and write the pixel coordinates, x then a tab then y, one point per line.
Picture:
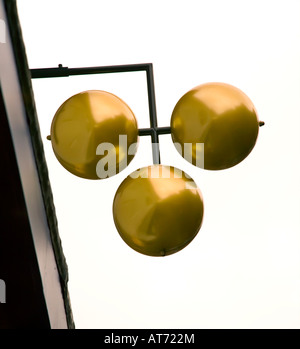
61	71
159	130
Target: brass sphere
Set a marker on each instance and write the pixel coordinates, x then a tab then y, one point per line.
158	210
218	122
94	134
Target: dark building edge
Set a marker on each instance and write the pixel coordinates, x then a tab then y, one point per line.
38	149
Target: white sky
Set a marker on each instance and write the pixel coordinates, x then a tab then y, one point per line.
243	268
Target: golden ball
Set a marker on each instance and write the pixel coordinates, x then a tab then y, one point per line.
158	210
214	126
94	134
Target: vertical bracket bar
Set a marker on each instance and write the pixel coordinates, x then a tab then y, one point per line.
153	115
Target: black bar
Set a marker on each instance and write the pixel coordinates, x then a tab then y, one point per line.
158	130
65	71
145	131
152	114
163	130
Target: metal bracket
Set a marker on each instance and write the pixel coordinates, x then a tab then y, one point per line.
154	131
